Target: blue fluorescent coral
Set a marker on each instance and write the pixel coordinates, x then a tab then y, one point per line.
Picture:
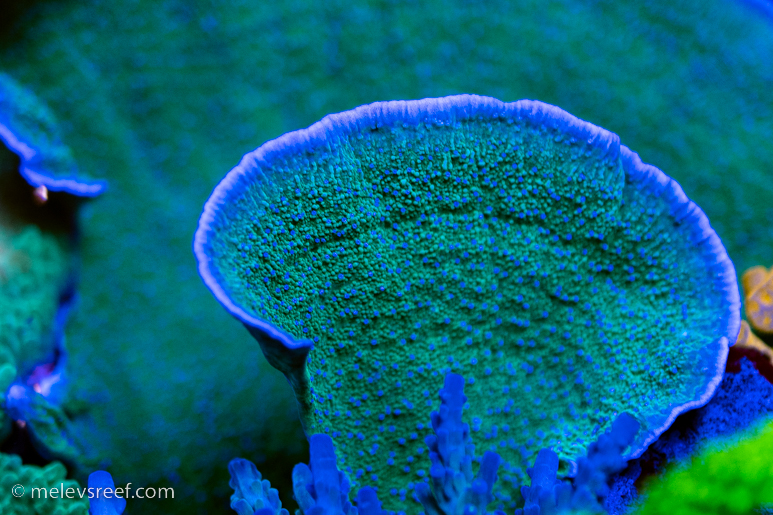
115	356
512	243
27	128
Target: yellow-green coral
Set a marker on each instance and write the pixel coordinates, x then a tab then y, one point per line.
53	475
727	477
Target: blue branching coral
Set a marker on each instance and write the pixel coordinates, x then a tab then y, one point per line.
320	488
512	243
451	488
548	495
604	459
252	493
454	490
101	503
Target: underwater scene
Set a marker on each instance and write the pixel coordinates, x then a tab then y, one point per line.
386	257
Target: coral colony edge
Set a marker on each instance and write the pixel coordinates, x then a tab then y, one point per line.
28	129
513	244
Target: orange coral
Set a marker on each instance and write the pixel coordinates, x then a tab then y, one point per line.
748	340
758	291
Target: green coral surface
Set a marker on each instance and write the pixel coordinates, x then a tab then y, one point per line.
515	245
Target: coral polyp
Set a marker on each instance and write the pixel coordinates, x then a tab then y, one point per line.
514	244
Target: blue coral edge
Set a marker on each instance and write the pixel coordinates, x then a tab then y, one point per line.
30	161
444	111
686	211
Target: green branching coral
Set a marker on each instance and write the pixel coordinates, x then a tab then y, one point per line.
511	243
729	476
53	475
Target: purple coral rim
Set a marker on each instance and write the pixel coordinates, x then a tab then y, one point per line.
441	111
446	111
30	169
686	211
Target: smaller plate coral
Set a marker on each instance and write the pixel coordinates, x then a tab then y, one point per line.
28	129
513	244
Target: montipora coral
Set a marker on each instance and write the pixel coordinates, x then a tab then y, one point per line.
514	244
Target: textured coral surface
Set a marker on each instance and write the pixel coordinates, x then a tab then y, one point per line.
161	98
513	244
739	468
743	400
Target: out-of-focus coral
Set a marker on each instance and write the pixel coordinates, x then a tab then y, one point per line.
38	264
758	292
28	129
388	235
161	97
728	477
103	497
45	422
25	501
34	269
748	340
743	399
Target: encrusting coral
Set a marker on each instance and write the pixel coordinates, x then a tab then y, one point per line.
53	475
384	236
